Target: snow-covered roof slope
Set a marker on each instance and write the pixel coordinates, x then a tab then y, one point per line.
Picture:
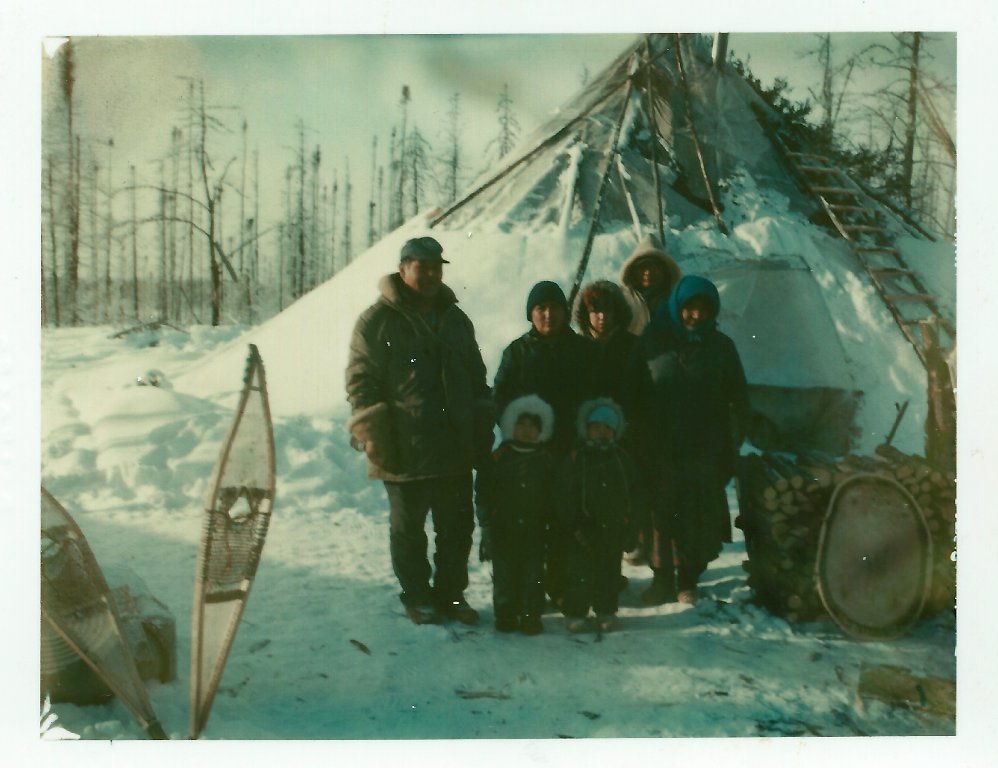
804	313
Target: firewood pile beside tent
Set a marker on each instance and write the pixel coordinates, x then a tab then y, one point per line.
785	500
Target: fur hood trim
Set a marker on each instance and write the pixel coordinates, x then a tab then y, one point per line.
591	405
616	297
649	248
390	288
527	404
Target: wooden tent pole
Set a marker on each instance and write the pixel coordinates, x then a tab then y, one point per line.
556	136
696	140
654	146
594	220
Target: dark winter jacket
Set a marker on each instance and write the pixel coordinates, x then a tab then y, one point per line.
599	492
562	371
645	303
613	350
416	384
513	490
688	388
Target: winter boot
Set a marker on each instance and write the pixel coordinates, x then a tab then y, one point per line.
459	609
422	614
662	589
687	597
507	624
531	624
577	625
607	622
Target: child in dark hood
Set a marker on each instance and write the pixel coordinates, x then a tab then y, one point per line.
598	494
514	502
686	382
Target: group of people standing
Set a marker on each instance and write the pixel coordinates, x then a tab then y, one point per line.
616	439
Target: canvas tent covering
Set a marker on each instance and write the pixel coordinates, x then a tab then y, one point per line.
663	124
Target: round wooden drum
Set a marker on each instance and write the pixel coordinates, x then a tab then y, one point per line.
874	562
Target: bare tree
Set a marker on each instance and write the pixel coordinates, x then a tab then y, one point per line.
452	158
418	154
509	127
347	215
403	145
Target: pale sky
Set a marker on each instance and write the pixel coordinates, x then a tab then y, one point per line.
346	89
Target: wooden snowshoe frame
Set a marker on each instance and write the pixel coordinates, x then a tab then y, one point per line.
235	524
77	605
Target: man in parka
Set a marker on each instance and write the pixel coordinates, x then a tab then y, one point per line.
647	278
686	381
422	413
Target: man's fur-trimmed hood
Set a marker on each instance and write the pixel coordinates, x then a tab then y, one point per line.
531	404
391	289
591	405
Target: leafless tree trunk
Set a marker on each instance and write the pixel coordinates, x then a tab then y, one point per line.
135	248
347	215
54	243
908	158
404	102
108	231
371	206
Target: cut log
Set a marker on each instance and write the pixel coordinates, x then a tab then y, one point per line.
898	687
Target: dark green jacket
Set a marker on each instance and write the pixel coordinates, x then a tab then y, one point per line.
416	384
563	371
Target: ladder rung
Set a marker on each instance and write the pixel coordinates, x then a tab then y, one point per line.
893	298
834	191
841	207
891	271
806	156
875	249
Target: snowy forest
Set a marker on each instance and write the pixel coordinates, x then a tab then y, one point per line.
188	235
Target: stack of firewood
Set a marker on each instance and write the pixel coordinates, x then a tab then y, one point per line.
934	491
783	499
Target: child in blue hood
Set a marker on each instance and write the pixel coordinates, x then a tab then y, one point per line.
685	381
599	495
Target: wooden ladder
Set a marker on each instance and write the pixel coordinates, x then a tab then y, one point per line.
860	225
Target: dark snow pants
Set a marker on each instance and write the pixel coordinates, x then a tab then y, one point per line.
594	579
691	520
517	574
449	501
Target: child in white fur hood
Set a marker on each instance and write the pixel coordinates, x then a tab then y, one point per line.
514	508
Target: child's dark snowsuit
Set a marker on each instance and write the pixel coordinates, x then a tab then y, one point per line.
513	496
598	494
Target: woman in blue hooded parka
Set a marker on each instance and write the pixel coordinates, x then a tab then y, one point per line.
685	382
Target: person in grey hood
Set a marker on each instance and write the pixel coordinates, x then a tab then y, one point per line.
647	278
422	413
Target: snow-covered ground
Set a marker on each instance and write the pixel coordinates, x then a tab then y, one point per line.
324	650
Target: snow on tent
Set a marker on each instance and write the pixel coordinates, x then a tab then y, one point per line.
79	618
818	278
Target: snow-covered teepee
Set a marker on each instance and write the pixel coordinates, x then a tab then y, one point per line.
818	279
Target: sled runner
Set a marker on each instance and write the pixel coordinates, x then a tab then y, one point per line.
79	617
874	562
236	518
